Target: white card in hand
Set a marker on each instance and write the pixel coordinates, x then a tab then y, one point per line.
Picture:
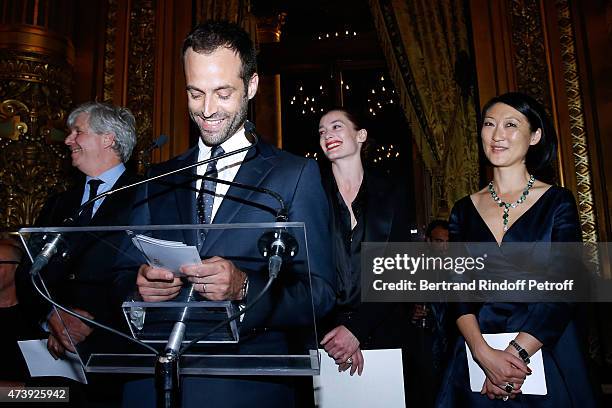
173	258
535	384
168	257
159	242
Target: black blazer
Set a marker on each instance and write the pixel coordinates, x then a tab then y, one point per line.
376	325
84	279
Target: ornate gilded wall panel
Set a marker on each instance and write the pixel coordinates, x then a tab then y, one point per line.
435	89
532	78
34	98
141	70
36	58
577	124
109	51
530	53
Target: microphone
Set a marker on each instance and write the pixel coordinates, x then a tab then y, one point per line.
249	127
145	159
253	139
277	246
52	244
157	143
166	367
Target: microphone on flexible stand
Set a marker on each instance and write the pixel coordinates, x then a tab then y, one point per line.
145	159
53	241
157	143
279	245
250	133
272	246
276	246
178	332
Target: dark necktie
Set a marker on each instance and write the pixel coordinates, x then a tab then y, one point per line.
206	196
87	213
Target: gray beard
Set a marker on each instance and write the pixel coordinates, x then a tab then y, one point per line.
230	129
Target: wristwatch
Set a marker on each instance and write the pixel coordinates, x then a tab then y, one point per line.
245	289
521	351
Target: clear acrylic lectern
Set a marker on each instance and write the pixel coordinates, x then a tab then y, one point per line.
277	336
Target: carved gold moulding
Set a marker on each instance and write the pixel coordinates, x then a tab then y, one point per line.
37	41
11	126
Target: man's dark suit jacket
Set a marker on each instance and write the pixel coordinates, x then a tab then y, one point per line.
288	304
85	279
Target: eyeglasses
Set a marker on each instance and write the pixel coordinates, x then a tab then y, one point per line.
9	262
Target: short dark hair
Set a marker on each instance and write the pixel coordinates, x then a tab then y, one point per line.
435	224
540	155
207	37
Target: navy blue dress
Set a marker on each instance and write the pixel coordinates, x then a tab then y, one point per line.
553	218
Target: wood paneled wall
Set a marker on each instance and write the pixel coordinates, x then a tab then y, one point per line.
133	59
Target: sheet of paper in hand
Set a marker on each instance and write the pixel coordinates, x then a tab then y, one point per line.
169	255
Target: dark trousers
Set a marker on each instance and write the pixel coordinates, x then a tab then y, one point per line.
421	378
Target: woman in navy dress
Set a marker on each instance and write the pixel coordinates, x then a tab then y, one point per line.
517	139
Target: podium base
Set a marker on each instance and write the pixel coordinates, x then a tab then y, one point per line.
257	364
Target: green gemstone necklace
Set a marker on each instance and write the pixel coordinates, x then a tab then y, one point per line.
507	206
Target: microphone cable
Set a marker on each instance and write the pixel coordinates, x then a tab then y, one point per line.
281	216
86	319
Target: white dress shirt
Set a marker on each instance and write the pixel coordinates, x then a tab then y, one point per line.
227	168
109	177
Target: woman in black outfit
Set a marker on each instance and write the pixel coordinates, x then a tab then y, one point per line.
364	207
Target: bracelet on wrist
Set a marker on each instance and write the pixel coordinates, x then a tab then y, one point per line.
523	354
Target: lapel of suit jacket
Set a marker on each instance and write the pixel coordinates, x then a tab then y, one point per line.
70	203
110	207
252	172
65	207
379	210
185	194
